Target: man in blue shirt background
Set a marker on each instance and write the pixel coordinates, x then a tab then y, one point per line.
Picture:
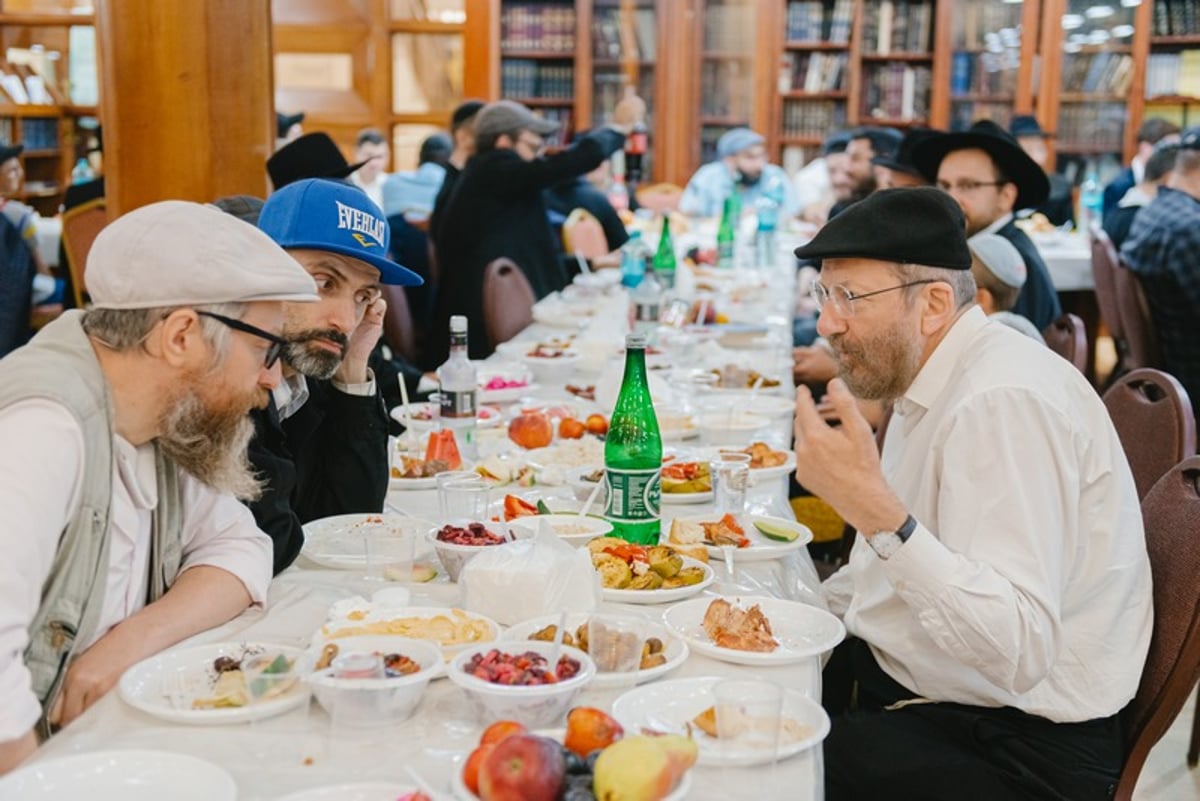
741	164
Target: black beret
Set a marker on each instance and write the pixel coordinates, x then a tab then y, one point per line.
907	226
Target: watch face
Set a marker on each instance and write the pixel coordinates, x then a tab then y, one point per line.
885	543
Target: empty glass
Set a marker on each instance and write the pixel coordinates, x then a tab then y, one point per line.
388	552
730	476
465	499
446	478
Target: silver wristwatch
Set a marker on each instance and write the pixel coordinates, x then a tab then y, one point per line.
886	543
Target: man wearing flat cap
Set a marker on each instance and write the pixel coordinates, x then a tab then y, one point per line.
741	166
320	443
997	598
125	430
496	210
991	177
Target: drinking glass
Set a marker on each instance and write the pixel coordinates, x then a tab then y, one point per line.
466	499
615	645
730	477
446	478
389	553
749	721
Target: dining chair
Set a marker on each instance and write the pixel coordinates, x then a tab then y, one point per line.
80	227
1153	417
1136	321
507	301
398	329
659	198
1171	512
583	236
1104	268
1067	337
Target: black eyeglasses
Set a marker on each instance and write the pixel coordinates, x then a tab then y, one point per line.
274	351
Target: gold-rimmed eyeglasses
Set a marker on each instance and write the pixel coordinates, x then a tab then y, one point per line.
842	299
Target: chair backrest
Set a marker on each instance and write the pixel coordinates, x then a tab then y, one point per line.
1153	417
583	235
507	301
80	227
659	198
1172	516
1104	268
1067	337
1135	319
16	287
398	329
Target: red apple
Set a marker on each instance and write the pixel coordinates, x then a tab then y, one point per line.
531	430
523	768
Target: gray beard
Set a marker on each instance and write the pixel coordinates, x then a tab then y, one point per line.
311	362
211	446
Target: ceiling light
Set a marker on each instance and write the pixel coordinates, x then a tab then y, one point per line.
1072	21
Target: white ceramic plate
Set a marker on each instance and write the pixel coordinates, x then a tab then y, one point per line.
667	706
509	372
756	473
674	649
461	793
145	685
686	497
120	776
338	621
486	417
761	548
802	631
662	596
365	791
336	542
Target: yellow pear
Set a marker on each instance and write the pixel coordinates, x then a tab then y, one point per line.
634	769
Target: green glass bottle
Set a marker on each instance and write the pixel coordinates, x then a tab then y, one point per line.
633	454
664	257
727	231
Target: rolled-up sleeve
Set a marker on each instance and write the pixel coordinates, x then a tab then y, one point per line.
41	465
219	531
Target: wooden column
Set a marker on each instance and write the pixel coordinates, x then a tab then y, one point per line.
187	105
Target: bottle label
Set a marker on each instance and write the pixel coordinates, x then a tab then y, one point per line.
633	495
646	312
458	404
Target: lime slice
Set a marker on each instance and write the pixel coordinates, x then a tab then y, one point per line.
776	531
422	573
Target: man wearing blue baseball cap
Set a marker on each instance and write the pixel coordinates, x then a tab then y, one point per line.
741	165
321	444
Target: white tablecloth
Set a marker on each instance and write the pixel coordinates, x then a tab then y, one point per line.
1068	257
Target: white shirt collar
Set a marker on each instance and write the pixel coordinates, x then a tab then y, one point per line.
935	374
290	395
998	224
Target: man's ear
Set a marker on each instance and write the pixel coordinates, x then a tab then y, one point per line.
939	307
179	341
1008	195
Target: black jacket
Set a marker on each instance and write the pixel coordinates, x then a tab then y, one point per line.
329	458
577	193
496	210
1038	300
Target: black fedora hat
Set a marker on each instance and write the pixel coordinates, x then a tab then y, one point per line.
313	155
284	122
1014	163
902	159
10	152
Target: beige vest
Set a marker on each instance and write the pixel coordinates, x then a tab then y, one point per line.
59	365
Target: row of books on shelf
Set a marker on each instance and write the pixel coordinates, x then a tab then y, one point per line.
1105	72
1176	17
812	119
820	21
1173	74
609	87
896	92
730	28
987	25
984	73
964	115
538	26
36	133
1092	125
814	72
897	26
616	36
725	89
527	78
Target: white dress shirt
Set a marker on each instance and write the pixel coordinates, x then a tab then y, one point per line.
1026	583
41	471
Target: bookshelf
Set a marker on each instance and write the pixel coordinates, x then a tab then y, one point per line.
625	49
814	75
1172	87
991	61
727	55
538	55
896	47
48	92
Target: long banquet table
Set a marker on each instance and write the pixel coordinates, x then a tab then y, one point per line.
277	756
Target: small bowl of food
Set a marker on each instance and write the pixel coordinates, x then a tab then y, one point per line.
457	542
582	480
570	528
515	681
370	681
549	363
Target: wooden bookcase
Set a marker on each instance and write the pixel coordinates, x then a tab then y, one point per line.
51	132
1172	86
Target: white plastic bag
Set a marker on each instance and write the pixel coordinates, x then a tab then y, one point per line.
530	578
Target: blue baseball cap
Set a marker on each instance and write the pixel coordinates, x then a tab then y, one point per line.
335	217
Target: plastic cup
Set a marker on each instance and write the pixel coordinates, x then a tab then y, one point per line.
615	644
749	722
465	499
730	478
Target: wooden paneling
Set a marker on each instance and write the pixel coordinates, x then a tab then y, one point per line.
187	108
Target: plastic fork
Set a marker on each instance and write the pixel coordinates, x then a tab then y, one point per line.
174	689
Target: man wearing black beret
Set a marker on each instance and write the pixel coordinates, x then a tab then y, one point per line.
991	177
998	595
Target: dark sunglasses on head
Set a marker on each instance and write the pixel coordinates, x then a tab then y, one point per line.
277	343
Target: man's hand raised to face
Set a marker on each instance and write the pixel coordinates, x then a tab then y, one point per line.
353	369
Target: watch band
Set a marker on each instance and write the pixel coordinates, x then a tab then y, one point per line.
907	528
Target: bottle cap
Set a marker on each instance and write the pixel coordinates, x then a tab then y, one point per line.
458	324
635	341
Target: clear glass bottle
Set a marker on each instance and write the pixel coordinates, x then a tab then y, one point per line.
647	299
459	391
634	254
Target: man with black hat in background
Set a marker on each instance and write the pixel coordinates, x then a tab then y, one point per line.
896	170
987	172
462	131
1058	207
865	143
288	128
313	155
998	594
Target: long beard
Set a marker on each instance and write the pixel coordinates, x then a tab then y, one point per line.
312	360
209	441
881	367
